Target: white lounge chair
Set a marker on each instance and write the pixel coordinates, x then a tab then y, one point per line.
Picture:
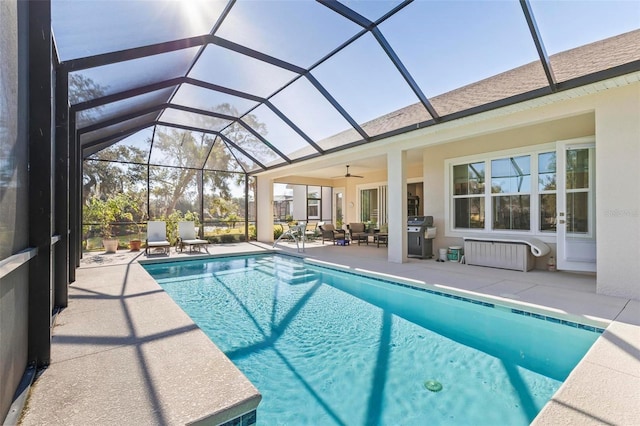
157	237
187	237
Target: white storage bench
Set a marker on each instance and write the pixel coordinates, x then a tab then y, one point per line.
503	252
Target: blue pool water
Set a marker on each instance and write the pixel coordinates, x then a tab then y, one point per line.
325	347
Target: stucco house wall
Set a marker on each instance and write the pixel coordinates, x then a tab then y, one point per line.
613	116
608	111
434	158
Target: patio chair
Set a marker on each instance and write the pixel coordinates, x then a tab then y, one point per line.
157	237
328	232
382	237
310	232
287	232
187	237
358	232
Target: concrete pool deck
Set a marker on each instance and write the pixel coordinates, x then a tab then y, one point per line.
124	353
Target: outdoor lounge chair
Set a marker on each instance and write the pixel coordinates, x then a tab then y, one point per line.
330	233
187	237
157	237
358	232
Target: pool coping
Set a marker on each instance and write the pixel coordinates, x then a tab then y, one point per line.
587	320
439	289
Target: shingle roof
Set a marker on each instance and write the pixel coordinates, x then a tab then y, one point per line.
567	65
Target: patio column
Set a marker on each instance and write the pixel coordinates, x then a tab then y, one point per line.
618	198
41	267
397	206
61	175
264	214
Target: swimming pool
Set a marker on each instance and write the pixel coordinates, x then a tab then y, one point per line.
325	347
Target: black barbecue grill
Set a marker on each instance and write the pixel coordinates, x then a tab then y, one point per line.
420	234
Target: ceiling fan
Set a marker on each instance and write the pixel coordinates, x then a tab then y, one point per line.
347	175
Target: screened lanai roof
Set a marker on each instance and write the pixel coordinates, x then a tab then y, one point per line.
268	82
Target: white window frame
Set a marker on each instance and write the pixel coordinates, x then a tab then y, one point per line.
591	233
544	192
454	197
363	186
495	195
532	152
316	203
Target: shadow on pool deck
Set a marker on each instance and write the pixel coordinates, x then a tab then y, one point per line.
124	353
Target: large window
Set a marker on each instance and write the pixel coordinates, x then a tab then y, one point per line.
510	192
313	202
369	206
547	191
468	195
578	188
521	196
301	202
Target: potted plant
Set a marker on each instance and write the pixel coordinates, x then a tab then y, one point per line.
106	212
136	243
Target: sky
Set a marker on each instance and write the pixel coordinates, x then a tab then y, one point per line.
443	44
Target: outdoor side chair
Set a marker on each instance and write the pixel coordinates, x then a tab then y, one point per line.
310	231
187	237
382	237
157	237
358	232
328	232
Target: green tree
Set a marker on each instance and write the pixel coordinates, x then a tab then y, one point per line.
232	219
188	151
81	89
185	166
185	152
246	140
222	206
117	208
115	170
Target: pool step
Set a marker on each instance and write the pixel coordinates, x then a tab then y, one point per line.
290	272
300	278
